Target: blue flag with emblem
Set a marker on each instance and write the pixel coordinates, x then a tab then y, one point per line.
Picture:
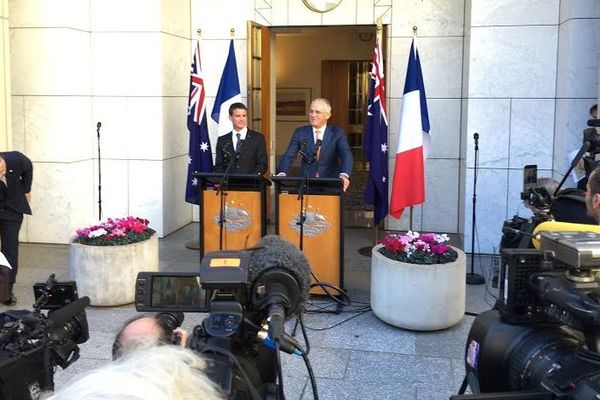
375	142
200	154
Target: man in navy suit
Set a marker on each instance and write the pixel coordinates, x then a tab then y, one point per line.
324	148
242	149
16	175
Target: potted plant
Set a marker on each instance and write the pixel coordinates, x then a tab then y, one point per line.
105	258
418	281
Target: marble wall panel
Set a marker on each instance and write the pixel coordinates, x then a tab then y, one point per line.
217	20
383	10
50	14
58	128
513	62
579	52
114	115
491	119
65	54
531	132
571	119
176	212
491	209
115	184
344	14
432	17
53	210
125	16
123	66
175	132
263	16
299	14
514	12
441	61
4	8
279	12
364	12
579	9
176	17
440	211
145	194
175	66
18	122
145	135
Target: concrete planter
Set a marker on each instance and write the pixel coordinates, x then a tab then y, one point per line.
418	297
107	273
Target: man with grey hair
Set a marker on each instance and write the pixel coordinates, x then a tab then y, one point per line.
324	148
151	372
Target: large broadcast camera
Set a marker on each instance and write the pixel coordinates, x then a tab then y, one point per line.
249	295
543	339
32	343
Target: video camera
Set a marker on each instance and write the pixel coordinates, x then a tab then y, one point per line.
32	343
542	340
249	295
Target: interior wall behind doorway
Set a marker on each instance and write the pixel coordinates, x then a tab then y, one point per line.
299	57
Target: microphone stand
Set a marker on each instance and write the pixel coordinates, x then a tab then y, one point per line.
222	193
303	185
472	277
98	125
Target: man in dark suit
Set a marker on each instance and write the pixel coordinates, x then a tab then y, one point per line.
324	148
16	175
242	148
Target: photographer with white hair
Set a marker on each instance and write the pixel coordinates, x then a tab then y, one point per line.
150	372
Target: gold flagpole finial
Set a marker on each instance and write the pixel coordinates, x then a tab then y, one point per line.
415	31
232	31
199	32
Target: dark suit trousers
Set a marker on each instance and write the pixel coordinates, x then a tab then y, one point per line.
10	225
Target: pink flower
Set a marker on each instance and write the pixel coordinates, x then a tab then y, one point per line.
440	249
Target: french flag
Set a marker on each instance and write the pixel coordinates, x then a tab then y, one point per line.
228	93
408	186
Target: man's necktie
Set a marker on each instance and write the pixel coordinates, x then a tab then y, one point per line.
237	144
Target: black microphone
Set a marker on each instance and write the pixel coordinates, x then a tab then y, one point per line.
98	125
594	122
508	229
302	149
280	279
227	149
476	138
584	147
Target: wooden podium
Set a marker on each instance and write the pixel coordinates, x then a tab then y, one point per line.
322	241
234	218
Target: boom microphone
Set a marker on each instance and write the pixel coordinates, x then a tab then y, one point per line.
280	279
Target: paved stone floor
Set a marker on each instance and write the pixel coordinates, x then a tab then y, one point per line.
361	358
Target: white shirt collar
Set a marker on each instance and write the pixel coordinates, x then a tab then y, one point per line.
321	131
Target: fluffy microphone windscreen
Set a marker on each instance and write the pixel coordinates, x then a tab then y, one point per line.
274	252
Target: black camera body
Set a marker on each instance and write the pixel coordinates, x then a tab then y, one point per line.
542	340
32	343
227	337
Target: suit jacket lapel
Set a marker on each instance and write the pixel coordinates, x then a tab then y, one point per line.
327	138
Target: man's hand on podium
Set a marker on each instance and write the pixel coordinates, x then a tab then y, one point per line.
345	181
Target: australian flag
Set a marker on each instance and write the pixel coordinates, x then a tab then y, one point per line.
375	145
200	154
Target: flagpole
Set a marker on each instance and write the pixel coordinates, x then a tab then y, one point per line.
410	223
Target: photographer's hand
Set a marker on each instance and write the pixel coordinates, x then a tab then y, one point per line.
183	336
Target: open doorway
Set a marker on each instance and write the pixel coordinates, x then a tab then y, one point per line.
330	62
